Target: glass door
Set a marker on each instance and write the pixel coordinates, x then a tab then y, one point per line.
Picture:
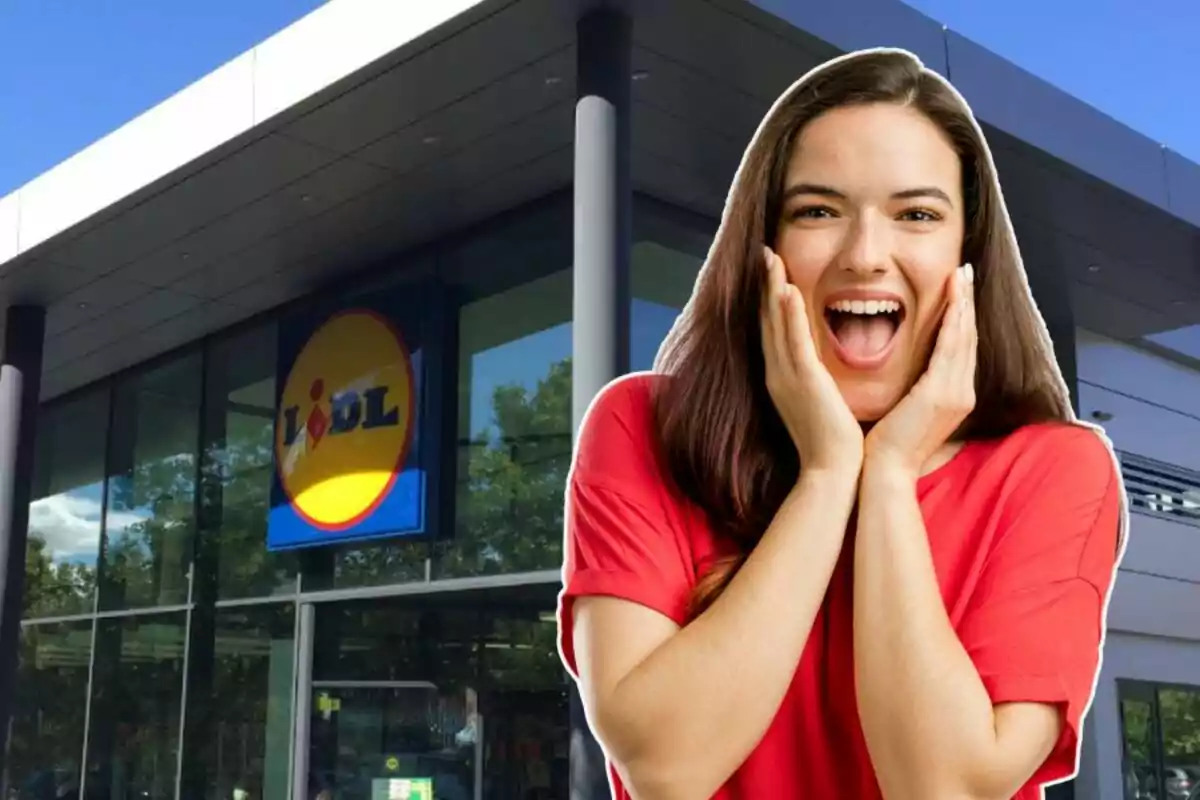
393	740
437	697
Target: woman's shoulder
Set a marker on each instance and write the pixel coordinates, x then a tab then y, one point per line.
1062	452
1058	475
1058	499
617	435
630	394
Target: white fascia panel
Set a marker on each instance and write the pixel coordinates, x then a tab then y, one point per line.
318	50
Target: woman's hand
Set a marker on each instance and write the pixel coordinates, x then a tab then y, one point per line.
941	399
825	432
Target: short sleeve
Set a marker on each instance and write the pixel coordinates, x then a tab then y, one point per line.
623	533
1036	620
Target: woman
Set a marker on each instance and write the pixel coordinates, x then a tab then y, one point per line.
850	542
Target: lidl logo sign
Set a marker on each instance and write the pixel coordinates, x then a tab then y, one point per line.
343	435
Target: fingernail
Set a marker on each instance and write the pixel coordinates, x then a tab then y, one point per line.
767	256
969	273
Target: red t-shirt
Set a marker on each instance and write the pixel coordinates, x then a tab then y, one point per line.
1024	534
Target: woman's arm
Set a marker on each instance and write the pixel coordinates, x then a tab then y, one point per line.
679	710
933	706
928	719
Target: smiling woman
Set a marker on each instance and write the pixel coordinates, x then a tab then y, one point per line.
867	185
850	540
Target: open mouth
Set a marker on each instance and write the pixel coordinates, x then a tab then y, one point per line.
864	330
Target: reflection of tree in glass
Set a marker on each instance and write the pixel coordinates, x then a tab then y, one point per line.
526	657
145	562
510	499
137	688
509	515
236	504
1180	711
55	588
48	715
1137	730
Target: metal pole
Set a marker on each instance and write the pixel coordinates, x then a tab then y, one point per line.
603	206
20	387
602	244
303	704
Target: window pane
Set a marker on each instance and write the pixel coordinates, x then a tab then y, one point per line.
49	710
1179	710
662	280
151	492
514	430
452	681
1140	757
240	723
238	459
137	687
64	517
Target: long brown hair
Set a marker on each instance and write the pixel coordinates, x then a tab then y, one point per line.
723	444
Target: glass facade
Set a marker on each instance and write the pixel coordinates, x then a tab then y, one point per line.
162	647
514	430
68	507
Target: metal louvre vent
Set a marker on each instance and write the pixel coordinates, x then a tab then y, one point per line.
1162	490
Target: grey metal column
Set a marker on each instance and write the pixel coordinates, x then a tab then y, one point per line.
20	386
602	237
603	206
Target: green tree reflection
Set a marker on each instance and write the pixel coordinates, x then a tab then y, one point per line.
511	480
1180	713
56	588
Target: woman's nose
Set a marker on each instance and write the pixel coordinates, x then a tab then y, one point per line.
867	249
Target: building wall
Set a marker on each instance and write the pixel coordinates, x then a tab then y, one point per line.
1145	716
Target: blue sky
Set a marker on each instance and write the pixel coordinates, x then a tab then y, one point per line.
73	70
1135	62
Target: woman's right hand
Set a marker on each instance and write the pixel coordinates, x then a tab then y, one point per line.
825	432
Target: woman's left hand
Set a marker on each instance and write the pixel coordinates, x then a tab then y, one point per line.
913	431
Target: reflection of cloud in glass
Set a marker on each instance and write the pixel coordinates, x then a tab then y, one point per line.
69	524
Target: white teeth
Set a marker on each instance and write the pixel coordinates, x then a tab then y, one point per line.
865	306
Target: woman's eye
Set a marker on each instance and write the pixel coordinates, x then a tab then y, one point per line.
813	212
919	215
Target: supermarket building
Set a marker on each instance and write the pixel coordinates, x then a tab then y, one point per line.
507	203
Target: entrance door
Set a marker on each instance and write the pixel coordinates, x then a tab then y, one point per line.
393	740
453	697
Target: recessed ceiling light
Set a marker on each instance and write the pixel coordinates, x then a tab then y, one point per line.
641	75
81	305
430	140
185	256
553	80
1093	267
305	198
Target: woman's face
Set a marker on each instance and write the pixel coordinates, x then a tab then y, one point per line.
871	231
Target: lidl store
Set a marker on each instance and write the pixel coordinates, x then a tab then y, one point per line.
304	348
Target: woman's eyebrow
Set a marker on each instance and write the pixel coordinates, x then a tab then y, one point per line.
828	191
923	191
812	188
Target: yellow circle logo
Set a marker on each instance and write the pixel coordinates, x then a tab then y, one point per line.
345	420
